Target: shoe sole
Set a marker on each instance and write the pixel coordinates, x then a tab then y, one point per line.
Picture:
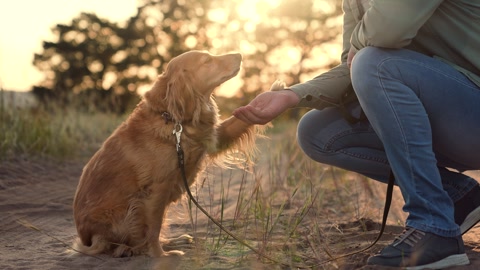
453	260
471	220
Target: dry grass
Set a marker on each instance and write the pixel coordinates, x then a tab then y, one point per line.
296	211
58	134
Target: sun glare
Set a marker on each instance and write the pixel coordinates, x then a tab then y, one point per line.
255	10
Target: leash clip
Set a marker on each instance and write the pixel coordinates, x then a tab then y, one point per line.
177	131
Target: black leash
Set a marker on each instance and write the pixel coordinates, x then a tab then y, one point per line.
181	162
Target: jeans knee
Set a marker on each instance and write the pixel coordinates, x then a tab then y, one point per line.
308	132
368	58
367	68
364	67
304	138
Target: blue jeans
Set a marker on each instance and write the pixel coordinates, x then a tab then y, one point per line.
423	117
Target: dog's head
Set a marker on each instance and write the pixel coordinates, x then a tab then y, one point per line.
186	86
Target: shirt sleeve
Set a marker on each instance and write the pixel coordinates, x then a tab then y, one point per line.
324	90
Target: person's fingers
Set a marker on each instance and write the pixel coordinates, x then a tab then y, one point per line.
242	114
249	114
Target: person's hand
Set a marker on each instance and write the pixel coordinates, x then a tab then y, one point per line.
266	106
351	55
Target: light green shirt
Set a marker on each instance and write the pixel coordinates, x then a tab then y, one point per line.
445	29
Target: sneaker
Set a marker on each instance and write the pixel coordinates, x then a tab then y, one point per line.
467	210
415	249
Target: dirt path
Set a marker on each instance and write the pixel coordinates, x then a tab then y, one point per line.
36	228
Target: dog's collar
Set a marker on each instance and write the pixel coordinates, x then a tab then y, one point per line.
168	117
177	131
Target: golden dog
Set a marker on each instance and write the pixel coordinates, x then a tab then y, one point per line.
126	187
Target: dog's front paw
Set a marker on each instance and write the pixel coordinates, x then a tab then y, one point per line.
278	85
170	245
183	239
173	253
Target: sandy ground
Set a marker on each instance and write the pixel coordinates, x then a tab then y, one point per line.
36	228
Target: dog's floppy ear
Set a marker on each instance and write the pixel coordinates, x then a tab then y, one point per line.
179	95
174	92
155	97
183	102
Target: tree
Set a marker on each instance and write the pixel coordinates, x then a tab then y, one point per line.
96	64
100	65
292	45
299	32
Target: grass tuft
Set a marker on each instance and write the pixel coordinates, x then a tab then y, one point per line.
286	206
56	133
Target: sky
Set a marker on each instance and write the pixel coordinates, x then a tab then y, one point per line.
24	24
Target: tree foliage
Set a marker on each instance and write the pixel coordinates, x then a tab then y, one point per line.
97	64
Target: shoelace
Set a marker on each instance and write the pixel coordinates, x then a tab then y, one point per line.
410	237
